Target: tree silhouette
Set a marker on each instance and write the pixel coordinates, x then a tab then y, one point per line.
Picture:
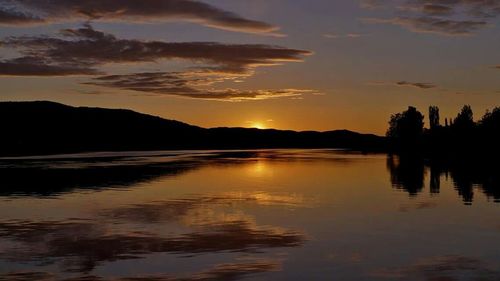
491	119
406	128
489	129
465	119
434	117
460	138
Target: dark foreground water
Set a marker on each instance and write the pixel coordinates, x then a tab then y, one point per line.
247	215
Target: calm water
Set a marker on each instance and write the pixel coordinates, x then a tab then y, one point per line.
247	215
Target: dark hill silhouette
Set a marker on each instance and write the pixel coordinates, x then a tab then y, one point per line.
42	127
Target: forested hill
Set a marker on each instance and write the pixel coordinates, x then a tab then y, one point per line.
41	127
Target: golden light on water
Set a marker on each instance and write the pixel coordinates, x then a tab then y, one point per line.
260	169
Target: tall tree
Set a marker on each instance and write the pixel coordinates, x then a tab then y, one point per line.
434	117
406	128
465	118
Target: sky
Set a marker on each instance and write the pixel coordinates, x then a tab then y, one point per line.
286	64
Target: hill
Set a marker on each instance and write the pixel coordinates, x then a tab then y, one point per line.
42	127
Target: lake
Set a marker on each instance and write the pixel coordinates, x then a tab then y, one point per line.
247	215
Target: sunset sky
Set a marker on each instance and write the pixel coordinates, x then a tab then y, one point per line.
287	64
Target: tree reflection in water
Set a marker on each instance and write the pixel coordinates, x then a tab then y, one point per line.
408	173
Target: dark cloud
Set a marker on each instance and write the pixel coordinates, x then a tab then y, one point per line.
419	85
49	11
445	17
27	276
187	85
436	10
80	51
88	47
33	66
17	18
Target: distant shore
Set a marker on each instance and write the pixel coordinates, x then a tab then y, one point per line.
48	128
43	128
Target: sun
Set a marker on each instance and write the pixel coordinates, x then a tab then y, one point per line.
262	125
257	125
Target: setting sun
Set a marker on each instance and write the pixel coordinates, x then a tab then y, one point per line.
257	125
249	139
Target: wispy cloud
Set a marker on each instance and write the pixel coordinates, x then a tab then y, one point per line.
418	85
371	4
339	36
187	85
18	12
444	17
433	25
34	66
437	10
12	17
84	51
87	47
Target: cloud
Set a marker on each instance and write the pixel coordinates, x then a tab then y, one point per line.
371	4
437	10
187	85
444	17
433	25
348	35
419	85
86	46
331	36
33	66
27	276
80	51
10	17
15	12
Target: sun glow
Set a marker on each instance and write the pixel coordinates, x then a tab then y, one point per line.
257	125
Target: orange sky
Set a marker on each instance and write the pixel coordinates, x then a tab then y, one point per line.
319	65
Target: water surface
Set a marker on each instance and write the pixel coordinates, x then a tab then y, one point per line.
247	215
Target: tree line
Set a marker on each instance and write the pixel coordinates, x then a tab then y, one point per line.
457	136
